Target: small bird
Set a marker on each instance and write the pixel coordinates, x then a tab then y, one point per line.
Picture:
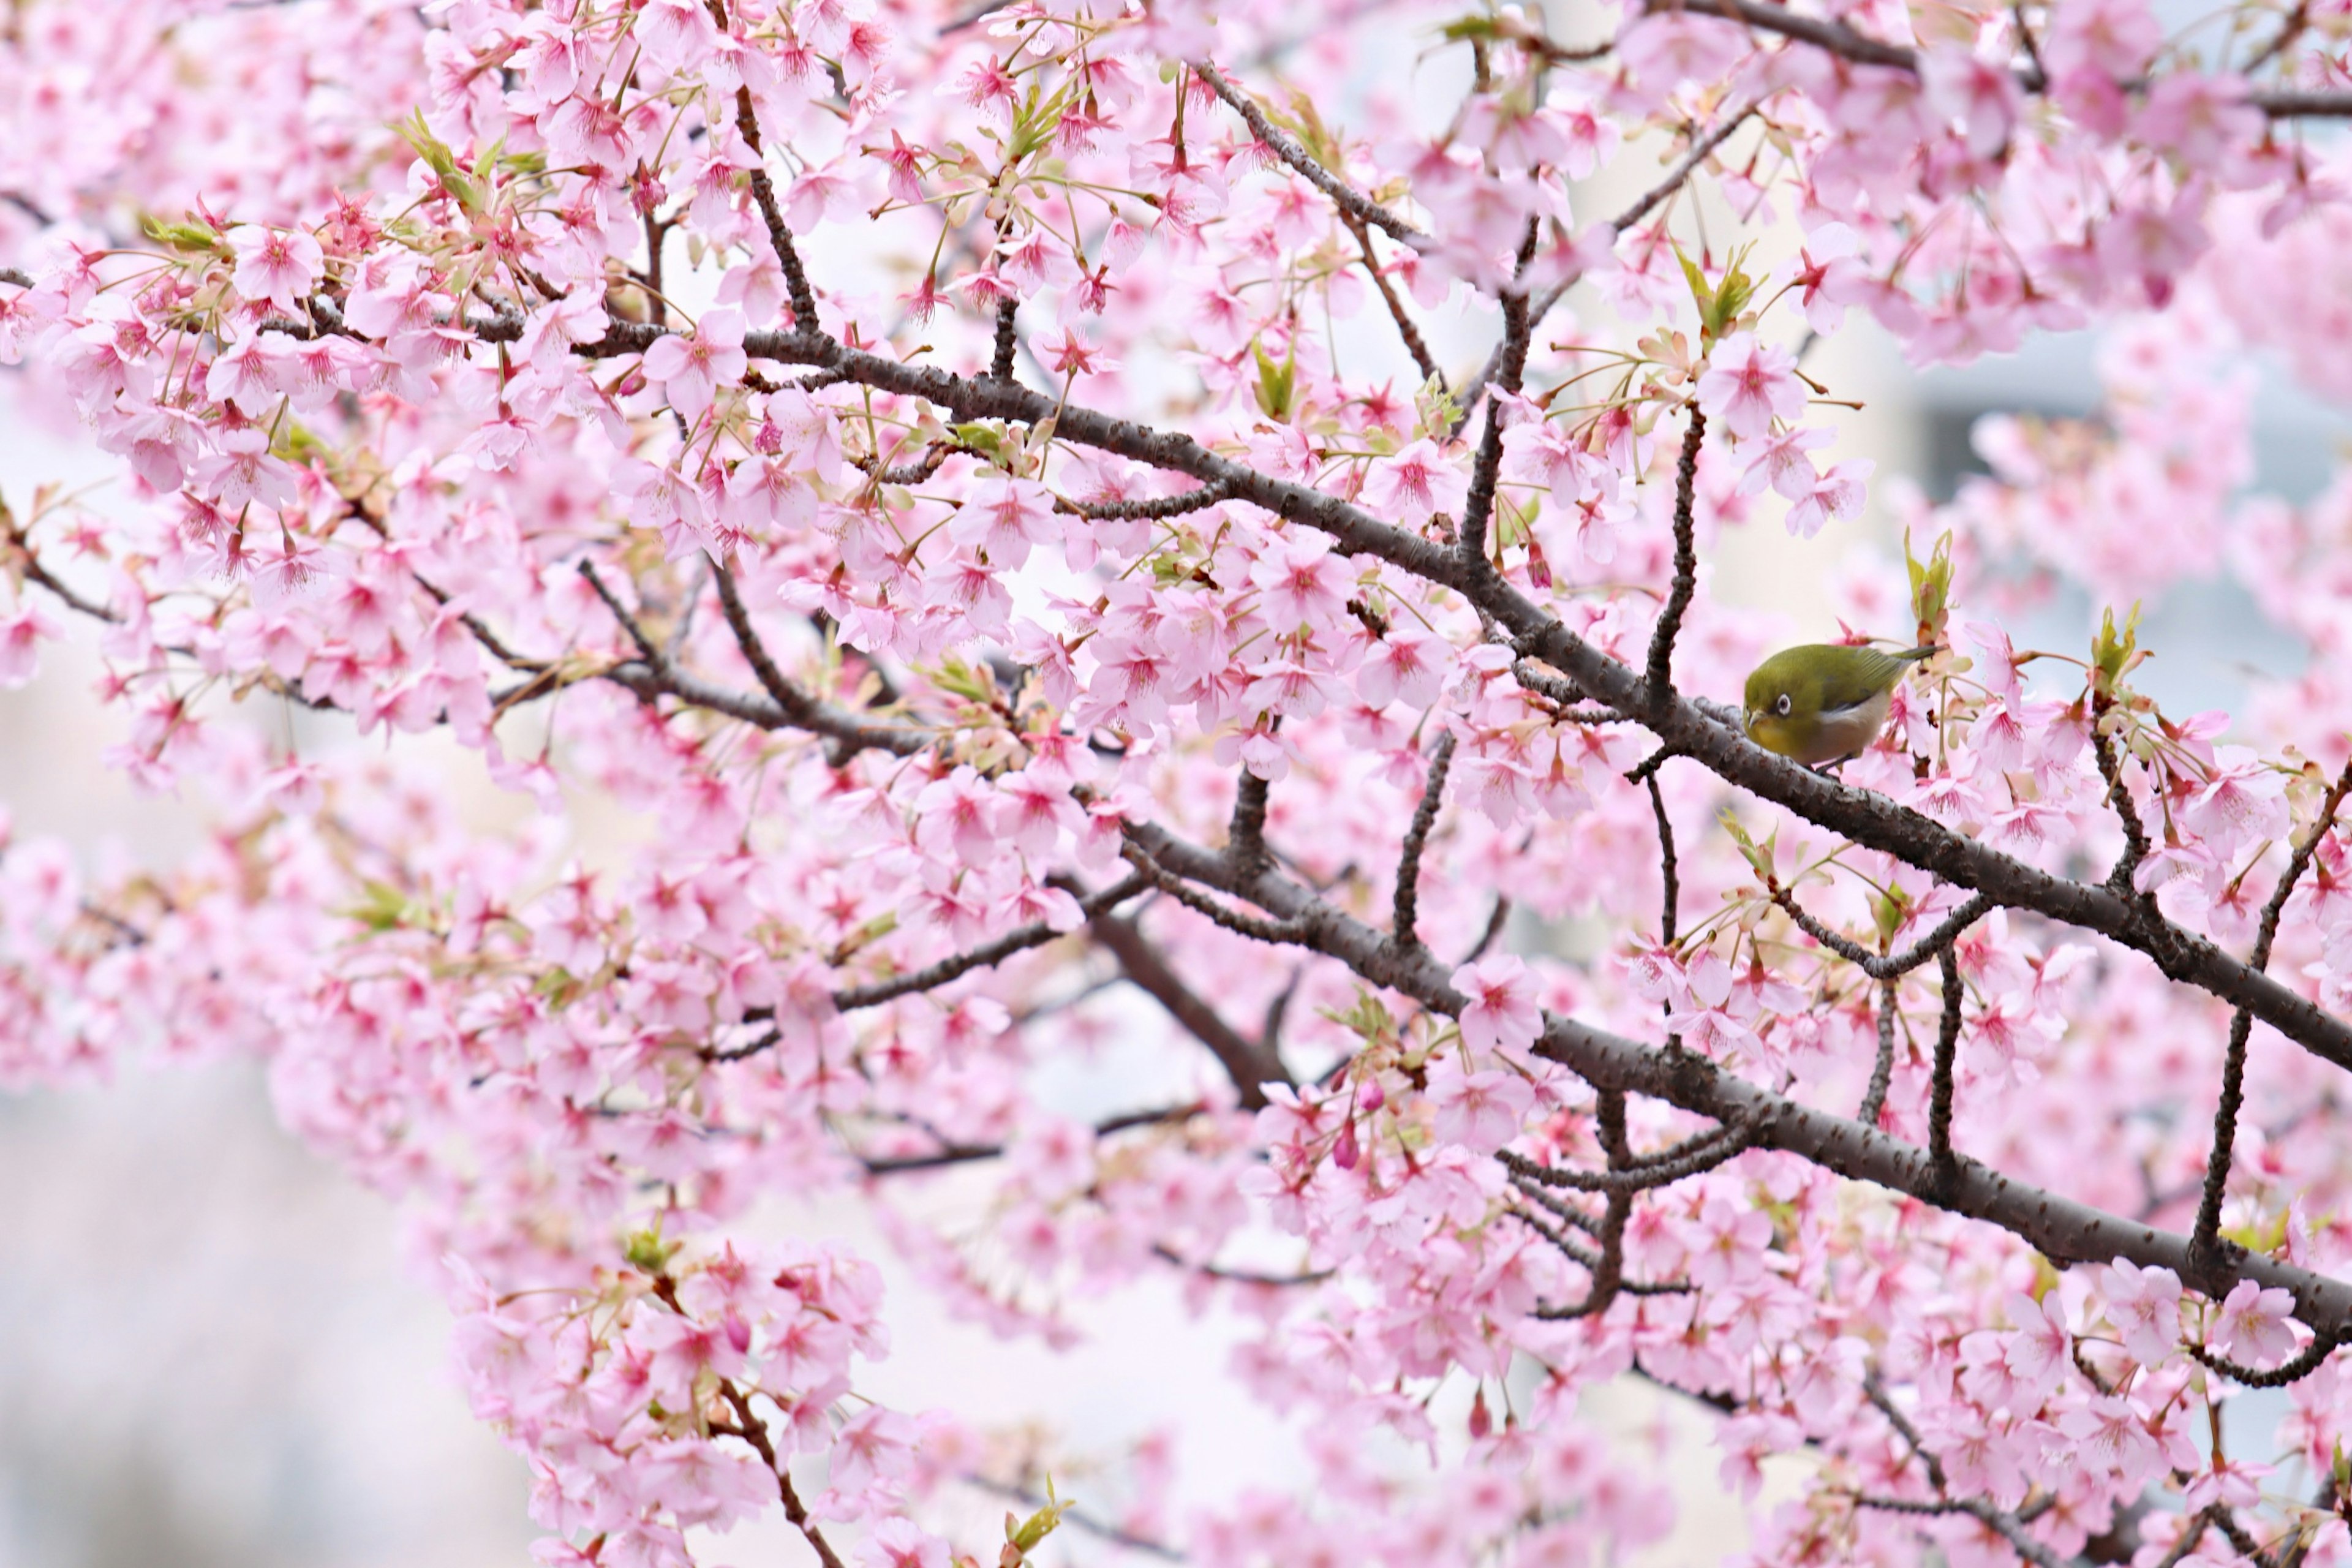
1822	703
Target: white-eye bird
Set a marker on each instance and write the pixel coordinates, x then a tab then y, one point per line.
1823	703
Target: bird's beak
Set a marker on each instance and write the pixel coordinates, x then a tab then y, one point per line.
1747	722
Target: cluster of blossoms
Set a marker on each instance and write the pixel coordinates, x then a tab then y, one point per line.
974	492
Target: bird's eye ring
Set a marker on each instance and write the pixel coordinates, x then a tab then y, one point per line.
1780	705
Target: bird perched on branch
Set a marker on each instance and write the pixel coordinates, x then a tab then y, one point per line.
1823	703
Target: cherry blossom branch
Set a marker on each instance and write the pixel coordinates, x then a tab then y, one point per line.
2190	1534
1246	830
653	675
1875	1390
2056	1225
1947	1046
1563	696
1606	1267
2312	1357
1497	917
1008	340
1486	467
1882	1071
2006	1525
1658	684
1251	1065
2207	1232
1168	1254
754	1431
1407	903
1284	145
1670	897
1721	1146
1077	1518
1648	201
780	234
1543	303
1151	510
2103	748
1885	966
1037	933
1869	820
2238	1535
1277	932
1407	329
1845	42
968	1154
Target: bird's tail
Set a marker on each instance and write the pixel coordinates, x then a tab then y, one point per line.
1911	655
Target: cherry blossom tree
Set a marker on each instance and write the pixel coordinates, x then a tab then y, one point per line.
982	489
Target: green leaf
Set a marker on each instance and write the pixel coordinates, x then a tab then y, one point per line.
1759	857
1275	383
647	1251
1931	587
1699	289
382	907
956	676
1888	911
2113	653
440	160
1025	1535
188	236
988	438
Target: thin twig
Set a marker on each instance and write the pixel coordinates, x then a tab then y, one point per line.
1658	680
1723	1146
967	1153
1887	965
2301	1366
1948	1043
1284	146
2205	1238
1150	511
1250	1065
1407	904
1670	897
2119	879
1497	917
1407	329
1509	371
851	998
1882	1071
780	234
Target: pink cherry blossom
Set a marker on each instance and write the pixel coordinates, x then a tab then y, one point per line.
1501	1011
1748	383
692	369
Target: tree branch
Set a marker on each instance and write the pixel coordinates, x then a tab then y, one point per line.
1685	726
2293	1370
1415	345
1882	1071
2206	1237
1658	684
1284	146
2056	1225
850	999
1846	42
1885	966
1407	904
780	234
1249	1064
1947	1046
